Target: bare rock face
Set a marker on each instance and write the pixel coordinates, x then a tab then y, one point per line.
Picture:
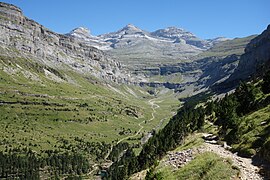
11	11
256	58
33	40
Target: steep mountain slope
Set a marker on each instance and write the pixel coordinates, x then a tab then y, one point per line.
228	47
253	62
32	40
211	67
256	56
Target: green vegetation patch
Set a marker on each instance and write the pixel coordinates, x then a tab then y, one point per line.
234	46
205	166
191	141
253	132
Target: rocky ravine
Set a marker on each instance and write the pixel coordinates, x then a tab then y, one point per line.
20	36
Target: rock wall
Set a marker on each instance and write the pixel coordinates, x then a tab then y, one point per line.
256	58
55	50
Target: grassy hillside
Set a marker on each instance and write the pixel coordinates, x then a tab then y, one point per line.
50	110
254	133
234	46
207	165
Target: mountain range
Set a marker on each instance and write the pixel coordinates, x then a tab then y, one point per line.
128	35
170	57
162	46
77	105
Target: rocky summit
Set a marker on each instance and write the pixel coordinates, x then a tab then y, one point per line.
138	48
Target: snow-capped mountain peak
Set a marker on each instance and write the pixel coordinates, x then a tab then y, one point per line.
130	36
131	27
128	30
80	32
173	33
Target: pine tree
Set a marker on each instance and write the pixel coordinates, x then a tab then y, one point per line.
246	96
266	83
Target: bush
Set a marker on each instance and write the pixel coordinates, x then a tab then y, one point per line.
247	152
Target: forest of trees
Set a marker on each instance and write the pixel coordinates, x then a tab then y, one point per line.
70	161
27	164
229	110
117	150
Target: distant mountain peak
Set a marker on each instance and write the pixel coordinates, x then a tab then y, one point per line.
173	33
80	32
173	28
130	28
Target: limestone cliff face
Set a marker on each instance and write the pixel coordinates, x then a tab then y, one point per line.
255	59
30	39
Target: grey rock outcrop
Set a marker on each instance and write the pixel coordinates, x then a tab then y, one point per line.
20	36
254	61
202	73
257	54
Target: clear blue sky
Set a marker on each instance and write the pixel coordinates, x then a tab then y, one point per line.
205	18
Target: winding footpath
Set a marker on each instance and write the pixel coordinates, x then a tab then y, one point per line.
154	107
247	169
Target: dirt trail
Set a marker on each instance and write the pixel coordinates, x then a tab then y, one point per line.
154	107
247	169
